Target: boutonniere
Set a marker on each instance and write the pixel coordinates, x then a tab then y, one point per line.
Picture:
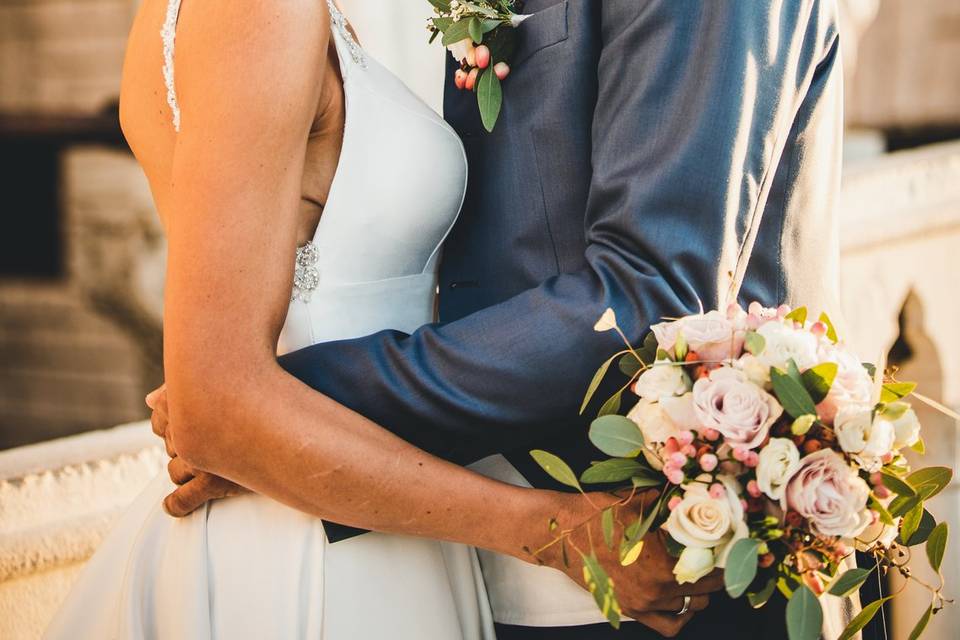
480	34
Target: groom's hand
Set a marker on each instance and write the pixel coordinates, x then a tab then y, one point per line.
195	488
647	590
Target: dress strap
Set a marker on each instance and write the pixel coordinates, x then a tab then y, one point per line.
169	35
340	28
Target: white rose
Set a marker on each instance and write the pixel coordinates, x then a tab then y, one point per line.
664	378
756	372
656	427
864	437
778	462
693	564
461	50
906	430
783	343
702	521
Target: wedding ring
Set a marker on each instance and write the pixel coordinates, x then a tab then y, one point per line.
686	605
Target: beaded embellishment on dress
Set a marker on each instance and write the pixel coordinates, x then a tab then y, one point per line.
169	34
340	22
306	277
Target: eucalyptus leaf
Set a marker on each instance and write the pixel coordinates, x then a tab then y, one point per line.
630	365
612	405
489	97
741	566
791	394
601	586
457	31
849	582
919	446
893	391
831	329
937	545
861	619
761	597
921	624
936	478
911	521
616	436
901	504
897	485
443	5
594	383
556	468
648	352
606	522
881	510
924	529
475	29
797	315
818	380
754	343
804	615
612	470
645	482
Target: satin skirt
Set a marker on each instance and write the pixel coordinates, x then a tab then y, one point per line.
250	567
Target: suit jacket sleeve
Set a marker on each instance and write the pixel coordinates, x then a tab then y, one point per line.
696	103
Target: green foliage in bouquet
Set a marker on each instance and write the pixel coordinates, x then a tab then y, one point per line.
823	417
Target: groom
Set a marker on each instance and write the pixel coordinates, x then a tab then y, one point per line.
649	153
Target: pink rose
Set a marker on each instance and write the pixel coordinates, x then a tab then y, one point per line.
852	386
712	335
741	411
829	494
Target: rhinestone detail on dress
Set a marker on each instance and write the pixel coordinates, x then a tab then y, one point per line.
340	22
306	277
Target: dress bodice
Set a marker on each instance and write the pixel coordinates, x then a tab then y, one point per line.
396	192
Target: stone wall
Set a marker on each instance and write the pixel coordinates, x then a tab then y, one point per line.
61	55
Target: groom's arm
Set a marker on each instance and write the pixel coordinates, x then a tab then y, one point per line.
695	103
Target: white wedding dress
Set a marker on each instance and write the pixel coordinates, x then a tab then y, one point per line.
249	567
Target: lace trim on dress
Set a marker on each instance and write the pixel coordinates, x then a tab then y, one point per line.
169	34
340	23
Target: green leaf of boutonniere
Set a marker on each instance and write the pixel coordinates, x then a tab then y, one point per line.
490	98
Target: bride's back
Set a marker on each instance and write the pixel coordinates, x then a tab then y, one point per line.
147	117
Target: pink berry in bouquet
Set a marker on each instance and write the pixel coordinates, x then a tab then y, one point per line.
482	55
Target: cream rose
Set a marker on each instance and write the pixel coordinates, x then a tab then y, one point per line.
712	335
829	494
756	372
865	437
693	564
663	379
659	421
740	410
783	343
906	430
703	521
779	460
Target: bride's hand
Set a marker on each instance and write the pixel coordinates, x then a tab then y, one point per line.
195	488
647	590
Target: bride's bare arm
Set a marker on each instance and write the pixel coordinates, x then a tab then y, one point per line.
249	77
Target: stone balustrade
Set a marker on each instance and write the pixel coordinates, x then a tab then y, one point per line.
900	260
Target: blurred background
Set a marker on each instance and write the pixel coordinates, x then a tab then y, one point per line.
82	260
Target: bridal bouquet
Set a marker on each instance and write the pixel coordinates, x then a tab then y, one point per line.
775	453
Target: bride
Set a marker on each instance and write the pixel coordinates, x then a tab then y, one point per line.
306	194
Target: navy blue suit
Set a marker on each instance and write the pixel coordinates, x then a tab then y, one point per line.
649	153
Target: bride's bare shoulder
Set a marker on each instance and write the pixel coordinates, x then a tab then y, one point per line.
217	38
